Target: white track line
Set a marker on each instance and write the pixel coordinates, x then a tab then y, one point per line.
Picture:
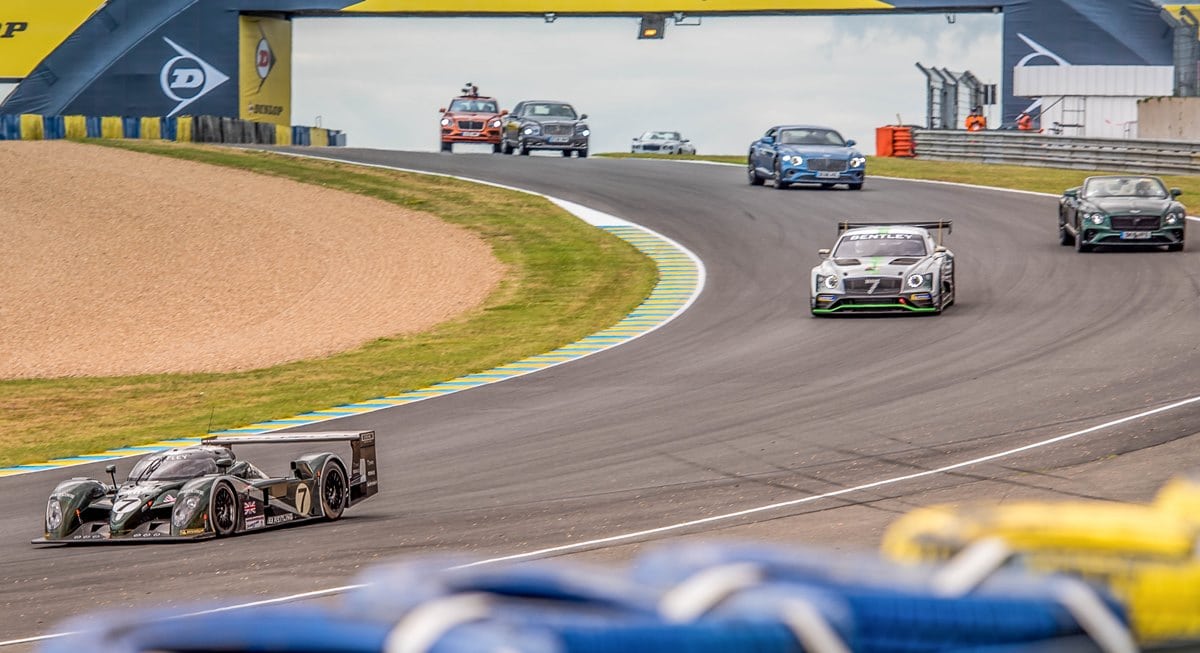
709	520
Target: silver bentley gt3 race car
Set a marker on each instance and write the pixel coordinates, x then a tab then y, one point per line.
895	267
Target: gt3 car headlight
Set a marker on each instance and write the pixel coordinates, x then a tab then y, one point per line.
54	514
446	122
918	280
827	282
185	510
1096	218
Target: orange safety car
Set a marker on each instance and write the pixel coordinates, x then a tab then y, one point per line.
471	118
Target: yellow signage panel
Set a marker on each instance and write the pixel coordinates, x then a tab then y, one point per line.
31	29
265	69
609	6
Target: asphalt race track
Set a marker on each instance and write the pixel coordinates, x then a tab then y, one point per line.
742	402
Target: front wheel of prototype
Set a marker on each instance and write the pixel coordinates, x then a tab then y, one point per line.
333	491
222	512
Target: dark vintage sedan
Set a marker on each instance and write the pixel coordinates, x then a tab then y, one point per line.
1120	210
545	125
793	154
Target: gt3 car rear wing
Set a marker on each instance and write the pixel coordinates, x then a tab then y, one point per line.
364	480
938	225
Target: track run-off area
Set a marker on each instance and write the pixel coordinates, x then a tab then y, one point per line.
1056	374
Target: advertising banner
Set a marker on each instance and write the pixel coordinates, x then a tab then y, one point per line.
265	69
32	29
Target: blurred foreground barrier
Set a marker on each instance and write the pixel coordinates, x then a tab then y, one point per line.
1147	554
1030	149
693	598
188	129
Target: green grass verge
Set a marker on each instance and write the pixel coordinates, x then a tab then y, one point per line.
1044	180
565	280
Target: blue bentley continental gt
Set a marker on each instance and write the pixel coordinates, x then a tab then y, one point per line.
795	154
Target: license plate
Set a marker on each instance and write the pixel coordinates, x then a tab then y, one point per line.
559	139
828	175
1135	235
470	133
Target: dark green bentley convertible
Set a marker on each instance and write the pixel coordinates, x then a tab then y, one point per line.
1121	210
203	491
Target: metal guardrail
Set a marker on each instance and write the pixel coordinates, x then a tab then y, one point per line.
1016	148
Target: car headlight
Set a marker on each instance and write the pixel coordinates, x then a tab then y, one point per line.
1174	218
54	514
531	129
827	282
446	122
794	159
185	510
586	132
1096	218
918	280
496	122
858	161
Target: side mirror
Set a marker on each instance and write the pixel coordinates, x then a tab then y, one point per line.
687	140
224	464
504	112
851	143
442	110
1175	192
768	139
823	253
940	249
583	116
1071	192
110	469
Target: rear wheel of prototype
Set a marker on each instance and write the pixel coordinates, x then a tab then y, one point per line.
334	491
447	146
222	511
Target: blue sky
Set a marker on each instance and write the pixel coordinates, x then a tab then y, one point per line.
721	83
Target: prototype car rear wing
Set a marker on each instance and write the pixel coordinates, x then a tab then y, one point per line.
938	225
364	480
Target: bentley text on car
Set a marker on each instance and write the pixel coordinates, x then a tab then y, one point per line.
895	267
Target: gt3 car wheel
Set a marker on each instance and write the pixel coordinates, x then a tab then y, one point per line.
752	174
222	511
333	491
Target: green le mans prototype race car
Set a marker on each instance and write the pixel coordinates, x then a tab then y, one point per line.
894	267
203	491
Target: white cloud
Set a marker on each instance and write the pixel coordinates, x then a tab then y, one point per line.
721	83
